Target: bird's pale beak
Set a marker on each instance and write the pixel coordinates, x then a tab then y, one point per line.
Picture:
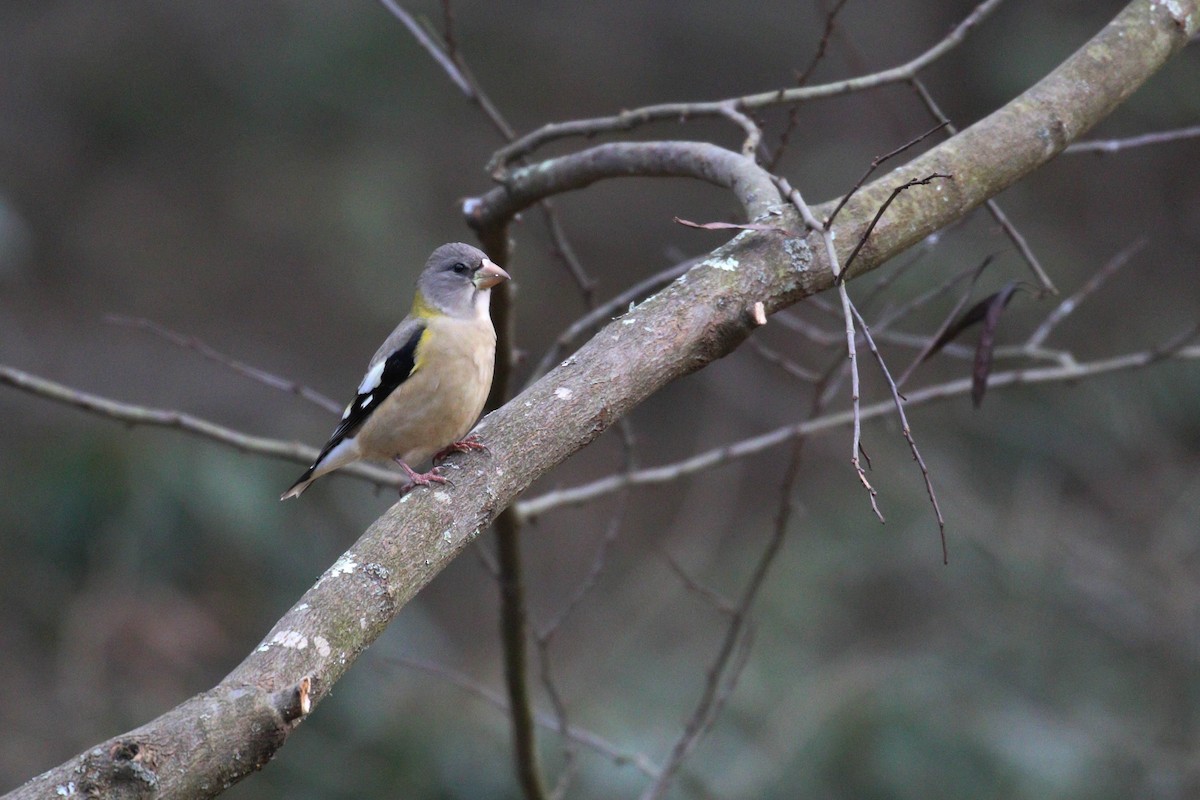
488	275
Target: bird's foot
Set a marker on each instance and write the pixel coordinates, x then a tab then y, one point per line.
468	444
420	478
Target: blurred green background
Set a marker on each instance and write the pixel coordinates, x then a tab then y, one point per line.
270	176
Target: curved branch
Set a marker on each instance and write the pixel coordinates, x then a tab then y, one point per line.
699	317
701	160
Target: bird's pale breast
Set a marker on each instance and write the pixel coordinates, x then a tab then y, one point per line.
435	406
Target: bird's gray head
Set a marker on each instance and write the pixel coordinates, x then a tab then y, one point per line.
456	281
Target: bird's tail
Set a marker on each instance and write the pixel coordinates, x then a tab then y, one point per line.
336	453
297	488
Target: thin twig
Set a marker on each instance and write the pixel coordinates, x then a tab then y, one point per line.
881	285
905	428
708	595
603	313
426	41
570	765
628	120
462	74
497	700
772	356
448	36
841	276
723	673
802	79
170	418
748	126
922	300
923	353
1073	302
1175	345
1010	230
254	373
565	253
748	448
875	163
810	219
1105	146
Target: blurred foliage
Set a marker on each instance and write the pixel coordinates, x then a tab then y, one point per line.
270	176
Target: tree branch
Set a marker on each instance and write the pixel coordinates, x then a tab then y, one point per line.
627	120
220	736
700	462
707	162
189	423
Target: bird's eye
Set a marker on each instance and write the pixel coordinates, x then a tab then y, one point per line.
459	268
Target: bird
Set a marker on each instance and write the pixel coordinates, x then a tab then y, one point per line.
426	385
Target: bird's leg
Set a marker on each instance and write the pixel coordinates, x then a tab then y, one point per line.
419	478
467	444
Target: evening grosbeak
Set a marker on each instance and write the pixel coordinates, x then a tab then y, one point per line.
427	384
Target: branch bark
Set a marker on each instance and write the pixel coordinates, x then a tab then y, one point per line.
216	738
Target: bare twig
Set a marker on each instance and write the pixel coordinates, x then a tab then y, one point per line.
254	373
1175	345
448	30
993	207
570	765
628	120
879	214
811	220
581	736
772	356
452	63
920	251
565	253
747	448
731	658
188	423
923	353
1104	146
905	428
445	61
875	163
605	311
922	300
802	79
749	127
708	595
1071	303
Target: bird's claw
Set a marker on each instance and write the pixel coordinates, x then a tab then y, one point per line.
421	478
468	444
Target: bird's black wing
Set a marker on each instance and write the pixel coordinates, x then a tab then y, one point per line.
396	369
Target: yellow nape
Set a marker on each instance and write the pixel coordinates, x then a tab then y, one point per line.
422	309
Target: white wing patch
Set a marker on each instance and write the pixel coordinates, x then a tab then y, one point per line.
371	380
342	453
366	401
